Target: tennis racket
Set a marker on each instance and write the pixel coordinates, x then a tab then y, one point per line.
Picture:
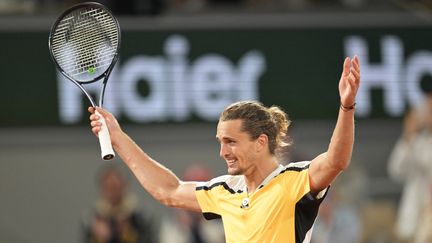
84	43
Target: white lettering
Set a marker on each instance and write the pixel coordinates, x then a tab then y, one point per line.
176	49
212	77
386	75
177	88
399	81
71	98
418	65
135	106
251	67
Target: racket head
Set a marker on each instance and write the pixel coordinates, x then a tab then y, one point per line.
84	42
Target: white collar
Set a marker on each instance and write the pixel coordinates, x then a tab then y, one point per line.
272	175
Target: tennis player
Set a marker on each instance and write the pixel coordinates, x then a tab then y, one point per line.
259	200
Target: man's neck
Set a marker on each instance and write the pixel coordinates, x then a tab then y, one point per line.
259	173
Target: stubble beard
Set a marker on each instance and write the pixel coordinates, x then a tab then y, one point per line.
235	171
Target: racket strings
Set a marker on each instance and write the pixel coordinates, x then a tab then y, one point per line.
85	20
85	42
88	56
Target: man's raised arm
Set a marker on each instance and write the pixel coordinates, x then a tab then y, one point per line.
326	167
156	179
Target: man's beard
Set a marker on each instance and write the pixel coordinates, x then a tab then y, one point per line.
235	171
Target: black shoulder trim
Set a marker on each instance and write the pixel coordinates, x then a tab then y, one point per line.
210	216
207	188
295	168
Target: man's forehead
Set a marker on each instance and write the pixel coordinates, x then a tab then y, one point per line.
227	127
230	124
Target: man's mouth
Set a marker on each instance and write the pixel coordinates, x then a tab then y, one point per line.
231	161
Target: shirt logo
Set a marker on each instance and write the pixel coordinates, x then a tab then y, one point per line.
245	203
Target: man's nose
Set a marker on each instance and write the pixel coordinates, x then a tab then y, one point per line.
223	150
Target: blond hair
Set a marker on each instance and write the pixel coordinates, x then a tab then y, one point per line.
258	119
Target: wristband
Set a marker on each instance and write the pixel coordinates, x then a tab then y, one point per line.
347	108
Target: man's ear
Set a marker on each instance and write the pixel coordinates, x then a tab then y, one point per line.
262	142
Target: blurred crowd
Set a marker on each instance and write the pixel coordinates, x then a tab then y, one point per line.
349	213
410	164
116	216
156	7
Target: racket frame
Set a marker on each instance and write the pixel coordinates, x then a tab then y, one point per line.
107	153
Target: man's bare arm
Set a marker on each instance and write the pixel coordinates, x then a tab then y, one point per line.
156	179
326	167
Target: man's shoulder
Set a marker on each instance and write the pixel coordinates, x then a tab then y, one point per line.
234	184
297	166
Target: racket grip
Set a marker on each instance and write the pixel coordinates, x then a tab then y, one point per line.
107	151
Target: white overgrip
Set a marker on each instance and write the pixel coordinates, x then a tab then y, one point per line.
105	139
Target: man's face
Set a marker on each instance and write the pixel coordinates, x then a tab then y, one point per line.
236	147
113	188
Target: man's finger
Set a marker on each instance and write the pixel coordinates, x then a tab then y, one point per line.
94	117
355	73
346	67
96	130
95	124
356	64
102	111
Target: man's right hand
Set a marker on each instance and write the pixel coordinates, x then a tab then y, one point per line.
111	122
